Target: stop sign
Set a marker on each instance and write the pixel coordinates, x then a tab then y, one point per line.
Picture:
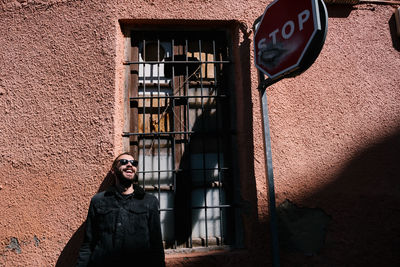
285	32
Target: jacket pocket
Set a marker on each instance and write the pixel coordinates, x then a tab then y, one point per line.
106	219
138	225
138	217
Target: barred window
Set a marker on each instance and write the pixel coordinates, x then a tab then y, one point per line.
180	129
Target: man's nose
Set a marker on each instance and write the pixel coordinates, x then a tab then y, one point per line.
131	165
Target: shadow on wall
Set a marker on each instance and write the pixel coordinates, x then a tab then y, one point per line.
363	203
199	184
255	227
339	11
69	255
393	33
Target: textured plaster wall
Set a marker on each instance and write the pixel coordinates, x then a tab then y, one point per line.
61	94
57	101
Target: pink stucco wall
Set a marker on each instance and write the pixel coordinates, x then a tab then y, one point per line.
335	128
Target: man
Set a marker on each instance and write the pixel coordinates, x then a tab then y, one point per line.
123	223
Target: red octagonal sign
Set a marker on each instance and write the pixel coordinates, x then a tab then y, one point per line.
286	30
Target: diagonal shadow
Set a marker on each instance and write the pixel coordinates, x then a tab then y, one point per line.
69	254
363	201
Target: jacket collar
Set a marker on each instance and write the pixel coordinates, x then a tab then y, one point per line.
138	191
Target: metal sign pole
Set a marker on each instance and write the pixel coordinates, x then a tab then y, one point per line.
270	175
269	60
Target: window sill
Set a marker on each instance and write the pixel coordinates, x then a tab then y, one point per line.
197	250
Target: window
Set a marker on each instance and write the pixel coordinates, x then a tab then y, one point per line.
180	128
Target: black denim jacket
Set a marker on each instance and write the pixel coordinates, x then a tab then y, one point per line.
122	231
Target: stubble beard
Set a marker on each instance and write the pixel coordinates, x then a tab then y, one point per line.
125	182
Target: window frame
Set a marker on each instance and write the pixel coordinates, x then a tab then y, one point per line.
131	115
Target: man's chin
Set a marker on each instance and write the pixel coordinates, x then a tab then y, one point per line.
124	181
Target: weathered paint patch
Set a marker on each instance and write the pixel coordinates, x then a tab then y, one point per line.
37	240
14	245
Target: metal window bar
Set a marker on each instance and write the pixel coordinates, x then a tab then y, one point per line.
203	143
144	113
218	143
173	121
178	62
176	131
187	87
158	120
202	207
177	97
179	170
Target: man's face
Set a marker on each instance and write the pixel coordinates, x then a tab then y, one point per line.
127	170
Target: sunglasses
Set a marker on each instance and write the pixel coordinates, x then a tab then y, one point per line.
131	161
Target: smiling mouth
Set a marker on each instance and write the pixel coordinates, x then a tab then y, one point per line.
129	171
